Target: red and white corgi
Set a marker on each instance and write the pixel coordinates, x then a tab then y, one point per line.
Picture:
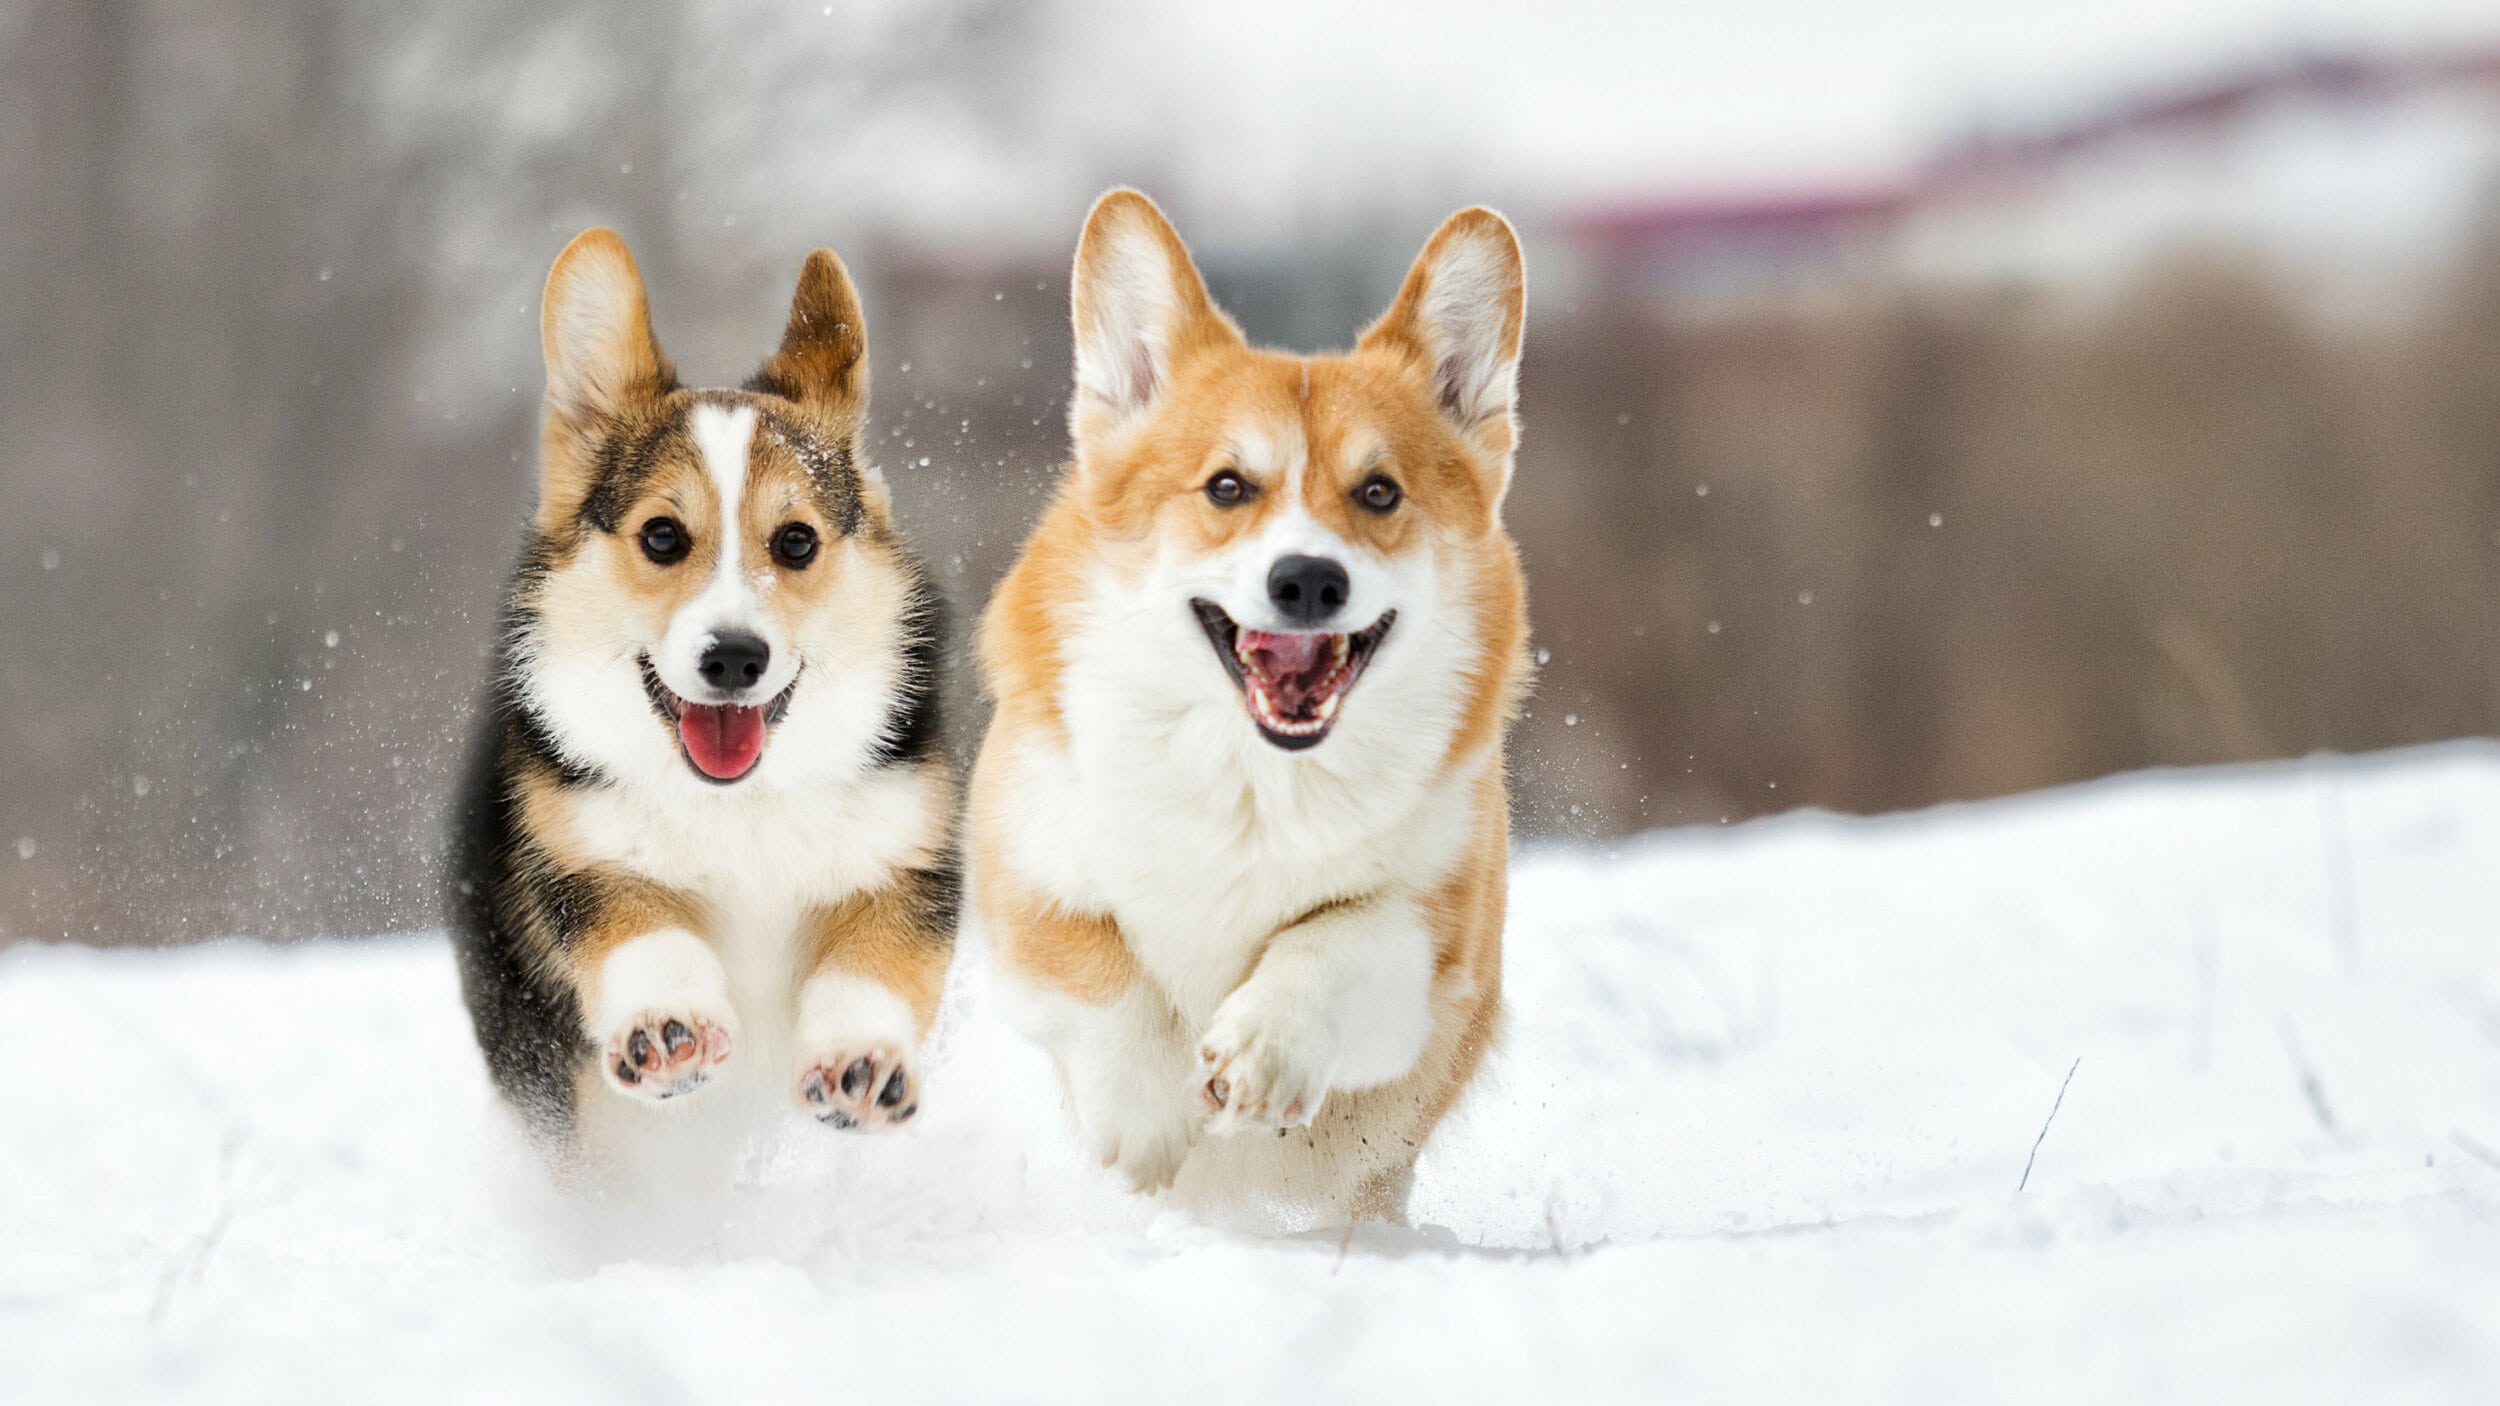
705	864
1239	831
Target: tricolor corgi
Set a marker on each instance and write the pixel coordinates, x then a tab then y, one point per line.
1239	829
706	856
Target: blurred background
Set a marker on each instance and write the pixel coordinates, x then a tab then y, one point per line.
1923	401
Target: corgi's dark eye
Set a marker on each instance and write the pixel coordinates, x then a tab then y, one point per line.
794	545
1379	493
664	540
1227	488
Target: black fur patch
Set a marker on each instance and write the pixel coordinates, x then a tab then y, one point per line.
511	907
628	454
526	731
914	723
938	894
764	382
528	1024
828	460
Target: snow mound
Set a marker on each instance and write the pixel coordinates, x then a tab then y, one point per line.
1760	1128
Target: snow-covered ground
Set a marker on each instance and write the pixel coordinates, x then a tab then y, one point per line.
1757	1133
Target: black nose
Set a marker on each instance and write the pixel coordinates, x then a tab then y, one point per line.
734	661
1307	590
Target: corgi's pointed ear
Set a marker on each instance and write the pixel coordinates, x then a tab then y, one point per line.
1140	310
595	324
823	361
1458	319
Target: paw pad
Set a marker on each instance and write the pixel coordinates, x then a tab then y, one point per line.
871	1091
661	1056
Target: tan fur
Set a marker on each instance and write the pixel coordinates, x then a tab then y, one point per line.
1122	507
823	360
623	357
1135	490
627	907
885	936
1078	953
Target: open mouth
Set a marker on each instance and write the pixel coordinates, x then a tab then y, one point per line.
721	741
1294	683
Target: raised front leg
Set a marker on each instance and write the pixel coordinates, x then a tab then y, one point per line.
876	967
654	1000
1339	1000
661	1020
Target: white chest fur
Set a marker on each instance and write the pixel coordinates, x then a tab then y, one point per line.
1167	809
730	845
1201	850
758	861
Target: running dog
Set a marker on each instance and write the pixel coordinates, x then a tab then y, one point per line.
1239	827
707	844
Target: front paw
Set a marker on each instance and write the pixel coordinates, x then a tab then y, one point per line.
656	1055
870	1088
1259	1071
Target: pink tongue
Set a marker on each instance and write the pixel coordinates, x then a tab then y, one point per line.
723	740
1285	663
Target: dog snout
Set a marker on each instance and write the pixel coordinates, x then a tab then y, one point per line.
734	661
1307	590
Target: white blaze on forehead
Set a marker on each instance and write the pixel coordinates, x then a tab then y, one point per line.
723	437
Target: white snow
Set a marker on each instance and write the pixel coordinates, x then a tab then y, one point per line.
1756	1134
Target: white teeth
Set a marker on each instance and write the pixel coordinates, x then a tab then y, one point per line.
1331	692
1265	709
